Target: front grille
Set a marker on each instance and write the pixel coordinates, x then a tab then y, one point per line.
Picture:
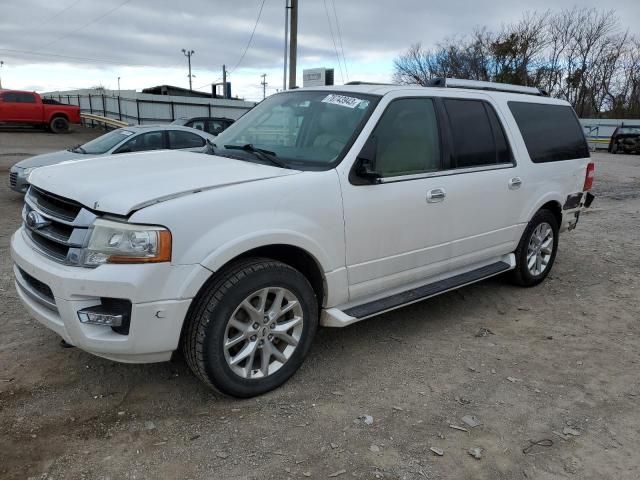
60	226
13	178
40	287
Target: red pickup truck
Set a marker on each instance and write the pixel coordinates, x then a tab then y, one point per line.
28	108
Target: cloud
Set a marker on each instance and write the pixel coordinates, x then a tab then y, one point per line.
148	35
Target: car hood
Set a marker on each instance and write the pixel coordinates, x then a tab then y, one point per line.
50	159
121	184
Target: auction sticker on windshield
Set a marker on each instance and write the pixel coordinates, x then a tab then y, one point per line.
343	100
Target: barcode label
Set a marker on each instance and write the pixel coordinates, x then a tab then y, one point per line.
343	100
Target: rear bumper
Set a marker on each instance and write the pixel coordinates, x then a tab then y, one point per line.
53	293
572	208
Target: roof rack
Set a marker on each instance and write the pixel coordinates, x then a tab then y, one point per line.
479	85
358	82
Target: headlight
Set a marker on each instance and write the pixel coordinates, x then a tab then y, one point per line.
27	171
117	242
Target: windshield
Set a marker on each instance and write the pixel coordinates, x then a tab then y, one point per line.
105	143
301	128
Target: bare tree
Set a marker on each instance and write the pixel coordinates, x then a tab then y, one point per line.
577	54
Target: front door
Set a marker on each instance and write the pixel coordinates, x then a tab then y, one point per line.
399	231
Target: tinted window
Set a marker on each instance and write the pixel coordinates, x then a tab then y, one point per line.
550	132
179	139
214	127
26	98
476	134
197	124
144	142
105	142
10	97
407	139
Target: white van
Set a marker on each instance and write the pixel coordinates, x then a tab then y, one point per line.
321	206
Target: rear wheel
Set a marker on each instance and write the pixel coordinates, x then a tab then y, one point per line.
59	125
251	328
537	249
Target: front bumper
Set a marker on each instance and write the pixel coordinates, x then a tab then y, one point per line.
17	180
160	295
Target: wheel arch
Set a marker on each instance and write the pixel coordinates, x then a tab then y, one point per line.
551	202
57	115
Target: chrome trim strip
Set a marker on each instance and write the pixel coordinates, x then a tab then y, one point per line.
445	173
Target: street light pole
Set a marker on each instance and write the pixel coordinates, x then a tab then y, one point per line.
118	86
1	64
188	53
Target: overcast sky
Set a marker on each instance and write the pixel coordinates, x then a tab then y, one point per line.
68	44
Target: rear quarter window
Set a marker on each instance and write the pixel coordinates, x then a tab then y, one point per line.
551	133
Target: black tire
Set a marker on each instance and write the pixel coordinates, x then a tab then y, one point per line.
59	125
206	324
521	274
614	148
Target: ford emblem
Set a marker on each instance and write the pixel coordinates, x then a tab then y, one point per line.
36	221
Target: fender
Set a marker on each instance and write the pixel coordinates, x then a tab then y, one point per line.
232	249
546	198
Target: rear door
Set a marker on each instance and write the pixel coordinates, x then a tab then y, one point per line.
482	181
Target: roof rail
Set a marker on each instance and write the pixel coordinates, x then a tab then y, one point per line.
358	82
479	85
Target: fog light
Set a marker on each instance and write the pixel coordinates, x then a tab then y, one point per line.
98	316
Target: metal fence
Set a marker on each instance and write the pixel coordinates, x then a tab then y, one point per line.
141	108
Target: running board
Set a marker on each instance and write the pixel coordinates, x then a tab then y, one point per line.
334	317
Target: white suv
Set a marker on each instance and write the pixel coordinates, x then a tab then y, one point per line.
319	207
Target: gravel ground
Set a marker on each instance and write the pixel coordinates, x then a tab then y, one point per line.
556	365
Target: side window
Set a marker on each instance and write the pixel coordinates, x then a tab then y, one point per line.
550	132
143	142
476	134
26	98
179	139
197	124
407	138
214	127
10	97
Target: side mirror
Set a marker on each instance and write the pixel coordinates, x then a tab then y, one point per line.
366	161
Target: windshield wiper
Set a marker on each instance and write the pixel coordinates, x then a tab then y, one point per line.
76	149
259	152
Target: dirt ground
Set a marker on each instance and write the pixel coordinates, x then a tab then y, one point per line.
557	365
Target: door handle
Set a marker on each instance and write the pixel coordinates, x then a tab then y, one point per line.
515	183
436	195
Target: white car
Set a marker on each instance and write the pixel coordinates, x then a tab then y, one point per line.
139	138
320	206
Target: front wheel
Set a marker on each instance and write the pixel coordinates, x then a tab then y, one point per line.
537	249
251	328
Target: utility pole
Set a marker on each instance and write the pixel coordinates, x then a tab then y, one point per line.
286	43
293	44
224	81
188	53
1	64
264	85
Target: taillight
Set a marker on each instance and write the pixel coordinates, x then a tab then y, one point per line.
588	178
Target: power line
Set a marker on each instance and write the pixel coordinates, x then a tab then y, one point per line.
250	38
344	59
60	12
74	57
91	22
333	40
